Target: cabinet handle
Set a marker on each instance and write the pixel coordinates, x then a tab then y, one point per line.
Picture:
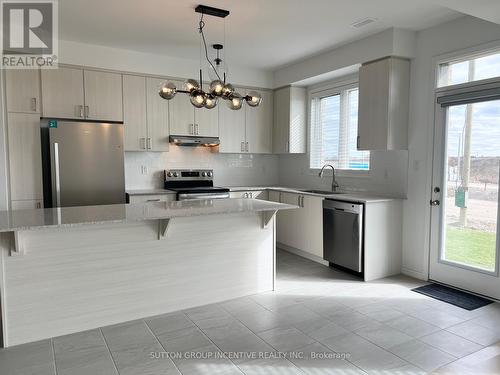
33	104
246	146
279	198
358	141
149	143
302	202
197	129
153	200
245	195
80	108
191	129
87	111
287	147
242	146
142	143
38	205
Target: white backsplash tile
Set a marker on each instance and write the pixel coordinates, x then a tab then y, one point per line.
229	169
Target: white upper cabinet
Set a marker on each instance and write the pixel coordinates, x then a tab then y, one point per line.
259	125
103	96
383	104
206	121
157	116
74	93
134	112
23	90
62	93
248	130
181	113
25	159
289	131
231	129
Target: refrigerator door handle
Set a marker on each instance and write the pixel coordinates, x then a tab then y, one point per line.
57	175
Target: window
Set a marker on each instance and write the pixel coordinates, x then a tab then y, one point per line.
334	131
469	69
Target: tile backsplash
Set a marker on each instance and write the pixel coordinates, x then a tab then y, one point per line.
144	170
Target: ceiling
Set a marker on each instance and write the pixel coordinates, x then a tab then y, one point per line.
263	34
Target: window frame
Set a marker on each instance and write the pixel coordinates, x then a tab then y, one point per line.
461	56
322	90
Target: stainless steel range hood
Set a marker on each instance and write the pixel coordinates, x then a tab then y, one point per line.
194	141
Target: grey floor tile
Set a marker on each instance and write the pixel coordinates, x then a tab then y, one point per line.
184	340
412	326
35	358
206	312
245	305
438	318
452	344
354	347
262	321
285	339
319	360
83	353
476	333
422	355
380	312
329	330
272	366
351	320
169	322
383	335
135	350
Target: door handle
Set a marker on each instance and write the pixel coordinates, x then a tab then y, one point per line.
57	176
33	104
435	202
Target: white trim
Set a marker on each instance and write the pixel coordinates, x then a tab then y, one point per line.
415	274
301	253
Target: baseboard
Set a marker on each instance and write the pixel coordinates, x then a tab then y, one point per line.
415	274
301	253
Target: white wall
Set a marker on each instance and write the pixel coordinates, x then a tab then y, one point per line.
131	61
229	169
459	34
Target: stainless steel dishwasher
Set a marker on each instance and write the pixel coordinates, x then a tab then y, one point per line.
343	234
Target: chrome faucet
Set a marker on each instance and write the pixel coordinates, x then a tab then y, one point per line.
335	184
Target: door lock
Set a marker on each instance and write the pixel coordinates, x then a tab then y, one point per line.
437	189
435	202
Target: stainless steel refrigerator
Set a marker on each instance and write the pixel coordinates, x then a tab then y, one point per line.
83	163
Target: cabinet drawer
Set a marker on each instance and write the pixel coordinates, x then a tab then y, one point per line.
151	198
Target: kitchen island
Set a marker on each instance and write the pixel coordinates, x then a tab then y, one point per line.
66	270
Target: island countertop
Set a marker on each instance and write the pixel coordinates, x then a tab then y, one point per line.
16	220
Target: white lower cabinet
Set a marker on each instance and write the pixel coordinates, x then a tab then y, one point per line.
152	198
26	205
252	194
301	228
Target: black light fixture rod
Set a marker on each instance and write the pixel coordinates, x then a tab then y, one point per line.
201	81
216	12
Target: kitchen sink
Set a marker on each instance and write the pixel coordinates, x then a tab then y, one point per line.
322	192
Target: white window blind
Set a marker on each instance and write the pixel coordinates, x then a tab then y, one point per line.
334	131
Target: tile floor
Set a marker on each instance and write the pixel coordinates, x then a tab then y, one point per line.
319	321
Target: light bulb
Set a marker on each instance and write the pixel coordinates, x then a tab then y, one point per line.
191	84
210	101
227	90
167	90
235	101
253	98
197	98
216	87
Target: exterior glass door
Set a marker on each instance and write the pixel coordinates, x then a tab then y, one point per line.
464	233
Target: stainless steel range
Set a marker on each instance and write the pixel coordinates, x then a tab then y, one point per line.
193	184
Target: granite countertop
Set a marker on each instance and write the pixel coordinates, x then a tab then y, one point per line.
359	197
150	192
123	213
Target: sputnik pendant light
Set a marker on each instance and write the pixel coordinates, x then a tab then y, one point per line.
218	88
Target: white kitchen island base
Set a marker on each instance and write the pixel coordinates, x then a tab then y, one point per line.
75	278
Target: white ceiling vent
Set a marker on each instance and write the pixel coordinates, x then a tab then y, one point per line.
361	23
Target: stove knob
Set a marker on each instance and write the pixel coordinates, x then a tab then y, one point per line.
169	174
176	174
210	174
203	174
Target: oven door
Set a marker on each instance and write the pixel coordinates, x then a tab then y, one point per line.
191	196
